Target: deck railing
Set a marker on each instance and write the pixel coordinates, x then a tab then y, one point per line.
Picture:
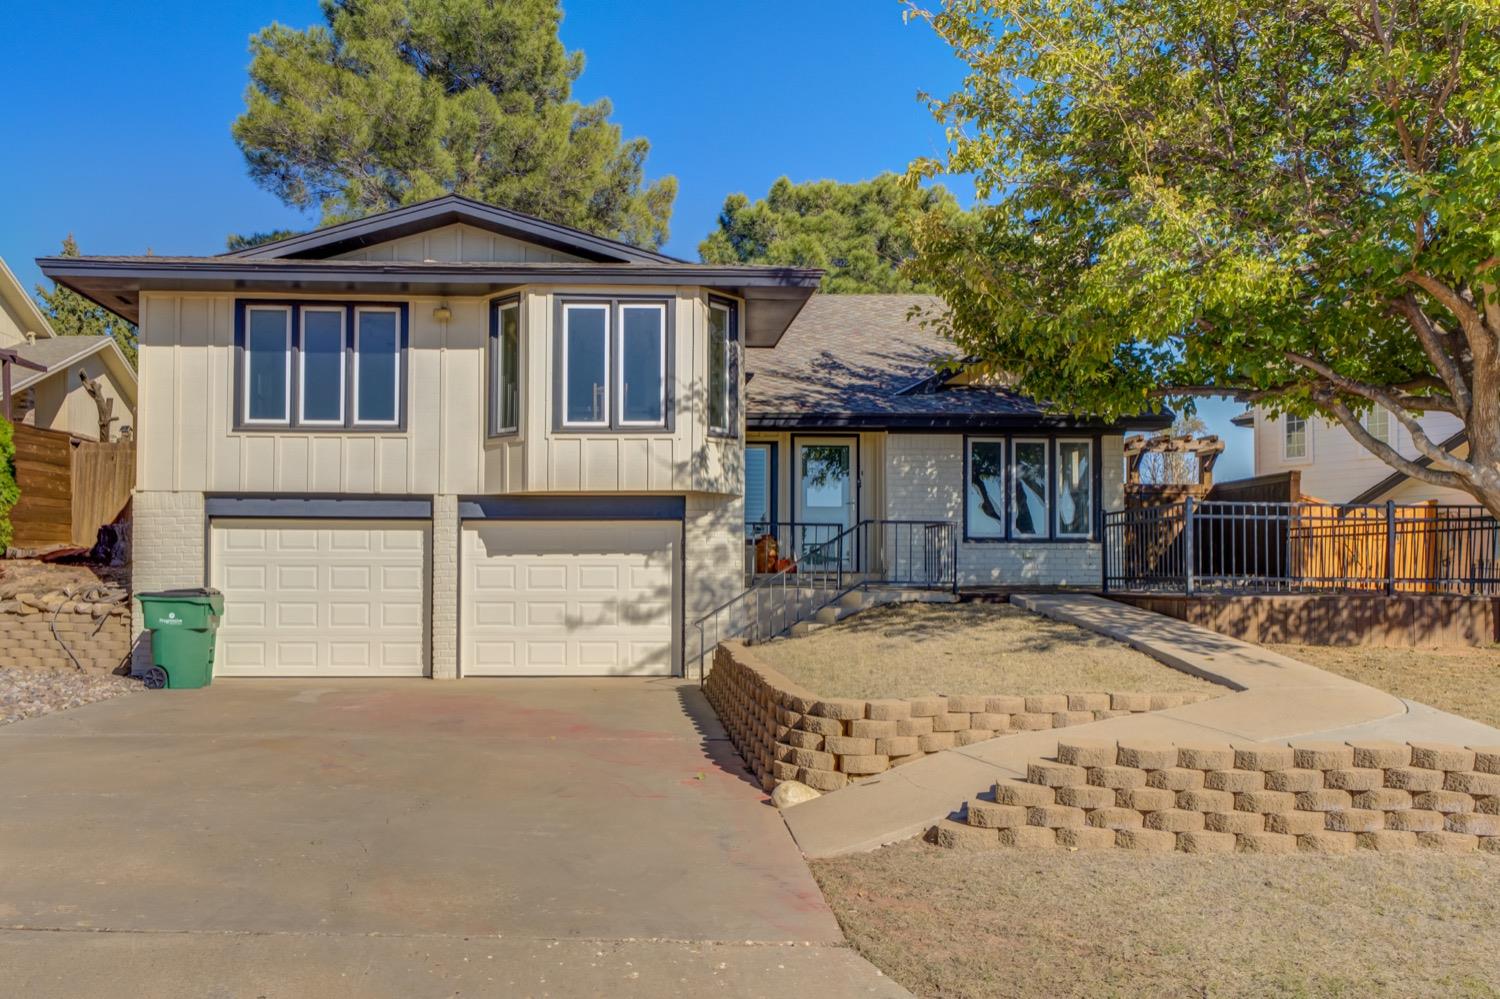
911	554
1232	547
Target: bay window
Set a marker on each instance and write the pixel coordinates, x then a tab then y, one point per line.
505	368
615	364
1030	489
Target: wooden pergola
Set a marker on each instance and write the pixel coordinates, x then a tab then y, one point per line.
1206	449
8	359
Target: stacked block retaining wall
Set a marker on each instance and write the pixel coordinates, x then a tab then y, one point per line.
786	732
1319	797
97	633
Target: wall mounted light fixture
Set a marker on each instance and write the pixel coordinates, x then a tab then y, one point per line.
442	313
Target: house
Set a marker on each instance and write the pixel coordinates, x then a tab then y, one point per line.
1336	468
453	440
51	375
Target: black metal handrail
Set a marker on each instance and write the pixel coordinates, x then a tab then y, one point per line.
1242	547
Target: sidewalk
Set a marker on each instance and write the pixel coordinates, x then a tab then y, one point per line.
1274	699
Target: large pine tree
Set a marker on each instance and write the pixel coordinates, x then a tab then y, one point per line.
397	101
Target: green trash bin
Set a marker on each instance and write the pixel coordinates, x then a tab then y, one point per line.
182	625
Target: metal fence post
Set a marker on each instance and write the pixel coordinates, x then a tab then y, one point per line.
1189	545
1104	555
1390	548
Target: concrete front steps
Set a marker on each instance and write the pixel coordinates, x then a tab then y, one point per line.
864	598
1319	797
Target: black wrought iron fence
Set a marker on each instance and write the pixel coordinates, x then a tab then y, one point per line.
1228	547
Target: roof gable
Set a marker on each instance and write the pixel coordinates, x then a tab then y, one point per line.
348	239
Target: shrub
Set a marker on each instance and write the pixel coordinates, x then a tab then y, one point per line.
9	491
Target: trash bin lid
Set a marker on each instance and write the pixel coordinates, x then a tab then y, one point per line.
201	592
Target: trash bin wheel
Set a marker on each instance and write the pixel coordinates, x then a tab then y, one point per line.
156	678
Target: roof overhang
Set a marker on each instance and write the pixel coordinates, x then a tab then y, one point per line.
344	237
774	295
975	422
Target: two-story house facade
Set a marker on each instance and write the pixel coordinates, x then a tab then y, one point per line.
452	440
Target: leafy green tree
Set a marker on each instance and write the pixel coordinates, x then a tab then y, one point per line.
397	101
1291	202
861	234
70	314
9	491
243	241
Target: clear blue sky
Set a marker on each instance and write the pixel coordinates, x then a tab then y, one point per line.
116	122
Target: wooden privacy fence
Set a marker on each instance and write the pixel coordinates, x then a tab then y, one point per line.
1302	547
70	487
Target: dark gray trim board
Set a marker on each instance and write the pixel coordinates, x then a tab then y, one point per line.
320	507
560	507
978	423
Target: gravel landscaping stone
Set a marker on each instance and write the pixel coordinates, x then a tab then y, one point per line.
27	693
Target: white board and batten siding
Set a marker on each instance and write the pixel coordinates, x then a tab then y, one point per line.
187	441
322	598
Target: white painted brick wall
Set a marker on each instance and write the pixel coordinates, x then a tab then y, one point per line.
445	527
925	479
168	536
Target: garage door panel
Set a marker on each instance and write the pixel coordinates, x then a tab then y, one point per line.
347	597
593	598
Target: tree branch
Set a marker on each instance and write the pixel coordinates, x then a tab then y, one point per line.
1468	318
1437	353
1388	454
1439	457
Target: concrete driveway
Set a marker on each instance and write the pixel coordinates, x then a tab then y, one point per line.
402	838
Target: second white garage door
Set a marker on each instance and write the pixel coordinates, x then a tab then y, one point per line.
569	598
321	597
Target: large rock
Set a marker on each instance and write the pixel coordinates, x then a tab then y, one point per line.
792	792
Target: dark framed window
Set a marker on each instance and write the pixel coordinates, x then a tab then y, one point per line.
723	336
1027	488
616	364
505	368
320	365
760	488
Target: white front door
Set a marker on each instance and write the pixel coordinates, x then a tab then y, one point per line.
586	598
826	495
321	597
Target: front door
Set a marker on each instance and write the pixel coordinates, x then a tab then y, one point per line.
826	501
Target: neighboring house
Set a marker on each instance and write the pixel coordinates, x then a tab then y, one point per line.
1334	467
455	440
47	389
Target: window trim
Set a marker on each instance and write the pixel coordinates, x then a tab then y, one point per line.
1013	480
731	429
398	373
1050	536
1286	430
565	333
611	424
497	309
1057	531
301	361
619	373
772	487
289	321
1004	443
293	422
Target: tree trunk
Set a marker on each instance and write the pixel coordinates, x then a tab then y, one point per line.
1484	430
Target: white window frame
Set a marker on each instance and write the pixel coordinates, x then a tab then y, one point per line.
1057	472
343	315
725	428
497	371
395	421
286	413
1286	433
1013	479
770	450
1384	436
1006	500
660	309
567	335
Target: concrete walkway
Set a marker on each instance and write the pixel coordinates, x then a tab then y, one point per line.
402	838
1273	698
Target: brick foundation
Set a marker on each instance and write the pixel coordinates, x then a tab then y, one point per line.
1317	797
786	732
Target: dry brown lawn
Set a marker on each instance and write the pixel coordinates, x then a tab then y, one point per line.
915	649
1010	923
1463	681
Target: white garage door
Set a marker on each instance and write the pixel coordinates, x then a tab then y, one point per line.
580	598
321	598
